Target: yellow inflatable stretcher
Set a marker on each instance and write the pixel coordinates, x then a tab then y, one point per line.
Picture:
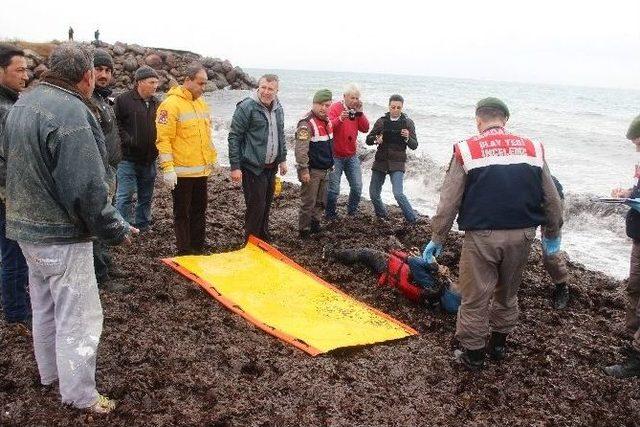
282	298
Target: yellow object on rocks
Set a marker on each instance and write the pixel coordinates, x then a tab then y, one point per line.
277	186
282	298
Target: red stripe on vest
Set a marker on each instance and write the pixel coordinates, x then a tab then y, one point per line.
397	276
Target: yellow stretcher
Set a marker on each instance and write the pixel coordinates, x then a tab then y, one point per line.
282	298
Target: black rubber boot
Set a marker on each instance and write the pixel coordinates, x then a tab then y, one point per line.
560	296
304	234
472	360
315	227
497	346
627	369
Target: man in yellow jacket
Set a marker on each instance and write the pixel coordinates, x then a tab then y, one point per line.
187	157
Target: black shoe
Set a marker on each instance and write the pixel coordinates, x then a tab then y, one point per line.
304	234
497	346
315	227
627	369
560	296
472	360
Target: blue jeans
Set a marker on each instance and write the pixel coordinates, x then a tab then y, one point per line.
135	178
375	187
15	277
351	168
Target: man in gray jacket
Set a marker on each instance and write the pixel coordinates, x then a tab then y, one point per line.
57	201
256	150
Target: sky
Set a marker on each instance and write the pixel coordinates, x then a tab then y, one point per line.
587	43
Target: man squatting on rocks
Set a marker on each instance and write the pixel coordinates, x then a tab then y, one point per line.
392	134
347	119
314	160
15	276
57	201
257	149
631	328
500	187
187	157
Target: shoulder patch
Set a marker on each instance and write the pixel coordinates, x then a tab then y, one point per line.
163	117
303	134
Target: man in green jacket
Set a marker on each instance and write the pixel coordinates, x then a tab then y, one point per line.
256	151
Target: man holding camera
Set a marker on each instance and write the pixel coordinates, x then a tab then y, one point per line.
347	119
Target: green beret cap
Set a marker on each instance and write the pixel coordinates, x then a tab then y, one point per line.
323	95
493	103
634	129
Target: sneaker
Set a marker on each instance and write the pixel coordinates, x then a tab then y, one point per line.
626	369
103	405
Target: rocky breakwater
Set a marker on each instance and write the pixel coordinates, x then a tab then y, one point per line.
170	64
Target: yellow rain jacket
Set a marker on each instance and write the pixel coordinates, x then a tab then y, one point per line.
184	137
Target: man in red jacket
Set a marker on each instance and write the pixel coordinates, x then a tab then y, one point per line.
347	120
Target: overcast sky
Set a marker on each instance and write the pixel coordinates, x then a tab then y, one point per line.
583	43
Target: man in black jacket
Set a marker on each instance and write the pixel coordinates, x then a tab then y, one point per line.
392	133
136	114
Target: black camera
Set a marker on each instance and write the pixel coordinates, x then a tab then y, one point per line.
352	114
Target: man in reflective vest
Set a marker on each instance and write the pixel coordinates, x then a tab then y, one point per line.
500	187
314	160
187	156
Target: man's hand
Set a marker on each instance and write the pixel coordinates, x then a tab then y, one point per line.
170	179
550	246
621	193
405	133
128	239
379	139
344	115
283	168
305	177
236	175
431	251
358	106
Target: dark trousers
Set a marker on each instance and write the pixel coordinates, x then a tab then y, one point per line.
15	276
376	260
258	195
101	259
189	214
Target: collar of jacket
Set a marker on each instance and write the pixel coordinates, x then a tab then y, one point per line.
388	116
104	92
493	130
325	120
276	102
8	93
136	95
182	92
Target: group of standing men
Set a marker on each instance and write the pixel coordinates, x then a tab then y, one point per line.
64	144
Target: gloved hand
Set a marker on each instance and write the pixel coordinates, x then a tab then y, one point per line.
431	251
633	204
170	179
550	246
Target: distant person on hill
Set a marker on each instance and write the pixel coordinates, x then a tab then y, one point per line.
70	34
187	157
15	276
96	34
392	134
257	149
103	67
314	160
58	202
416	279
136	117
631	366
499	186
347	119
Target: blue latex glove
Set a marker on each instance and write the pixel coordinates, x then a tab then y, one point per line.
550	246
633	204
431	251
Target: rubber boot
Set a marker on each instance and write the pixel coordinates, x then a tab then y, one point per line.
497	346
315	227
629	368
472	360
560	296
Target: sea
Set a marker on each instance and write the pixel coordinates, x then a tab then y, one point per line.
582	128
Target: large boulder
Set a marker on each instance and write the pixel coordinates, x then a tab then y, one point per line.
130	64
171	60
154	61
226	66
37	72
231	75
137	49
119	49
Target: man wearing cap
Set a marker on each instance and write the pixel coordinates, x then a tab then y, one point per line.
103	66
631	330
314	160
499	186
136	115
